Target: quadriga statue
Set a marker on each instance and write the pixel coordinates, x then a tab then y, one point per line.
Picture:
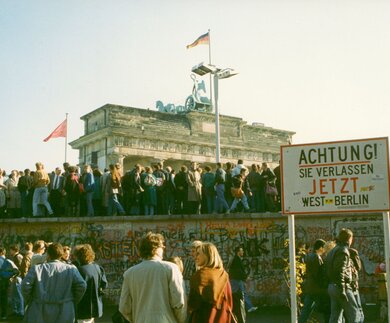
197	101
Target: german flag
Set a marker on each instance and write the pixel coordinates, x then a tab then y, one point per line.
204	39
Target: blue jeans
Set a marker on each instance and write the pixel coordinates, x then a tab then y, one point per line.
90	209
113	203
359	303
149	210
40	197
340	304
244	201
220	201
239	285
17	300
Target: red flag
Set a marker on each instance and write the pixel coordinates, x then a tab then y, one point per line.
60	131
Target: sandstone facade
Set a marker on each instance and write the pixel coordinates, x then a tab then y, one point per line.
128	135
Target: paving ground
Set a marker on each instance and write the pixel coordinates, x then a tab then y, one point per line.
271	314
276	315
263	314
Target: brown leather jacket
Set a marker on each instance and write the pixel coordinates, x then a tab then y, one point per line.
339	266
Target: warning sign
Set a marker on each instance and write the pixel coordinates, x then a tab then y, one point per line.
334	177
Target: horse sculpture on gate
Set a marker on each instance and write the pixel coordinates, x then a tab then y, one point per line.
197	101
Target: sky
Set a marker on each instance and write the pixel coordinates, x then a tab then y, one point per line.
318	68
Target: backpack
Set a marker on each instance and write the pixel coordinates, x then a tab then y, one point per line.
149	180
160	179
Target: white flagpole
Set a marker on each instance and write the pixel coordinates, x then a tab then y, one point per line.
210	76
386	229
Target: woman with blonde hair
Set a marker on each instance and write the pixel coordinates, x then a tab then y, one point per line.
210	298
40	182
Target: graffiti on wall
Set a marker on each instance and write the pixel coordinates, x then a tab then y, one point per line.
263	239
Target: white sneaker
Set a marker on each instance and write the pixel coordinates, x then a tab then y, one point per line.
252	309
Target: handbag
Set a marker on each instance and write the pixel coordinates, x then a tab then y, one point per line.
237	192
79	184
271	189
81	188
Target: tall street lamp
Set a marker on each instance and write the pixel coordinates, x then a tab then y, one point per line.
219	74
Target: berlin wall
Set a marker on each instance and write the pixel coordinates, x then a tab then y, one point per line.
263	236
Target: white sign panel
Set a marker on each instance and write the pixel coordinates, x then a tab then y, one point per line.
334	177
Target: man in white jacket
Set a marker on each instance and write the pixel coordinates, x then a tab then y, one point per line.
237	170
152	291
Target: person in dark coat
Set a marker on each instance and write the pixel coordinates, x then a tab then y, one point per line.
238	277
132	188
150	197
254	180
267	201
72	191
181	184
314	291
339	267
228	183
55	191
91	305
278	184
170	190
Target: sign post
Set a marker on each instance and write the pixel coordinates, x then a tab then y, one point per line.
293	275
386	229
333	178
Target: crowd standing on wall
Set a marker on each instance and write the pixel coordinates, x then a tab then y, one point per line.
49	282
149	190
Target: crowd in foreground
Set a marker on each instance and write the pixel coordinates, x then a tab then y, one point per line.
149	190
52	283
46	287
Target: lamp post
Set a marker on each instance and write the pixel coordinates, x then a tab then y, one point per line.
203	69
